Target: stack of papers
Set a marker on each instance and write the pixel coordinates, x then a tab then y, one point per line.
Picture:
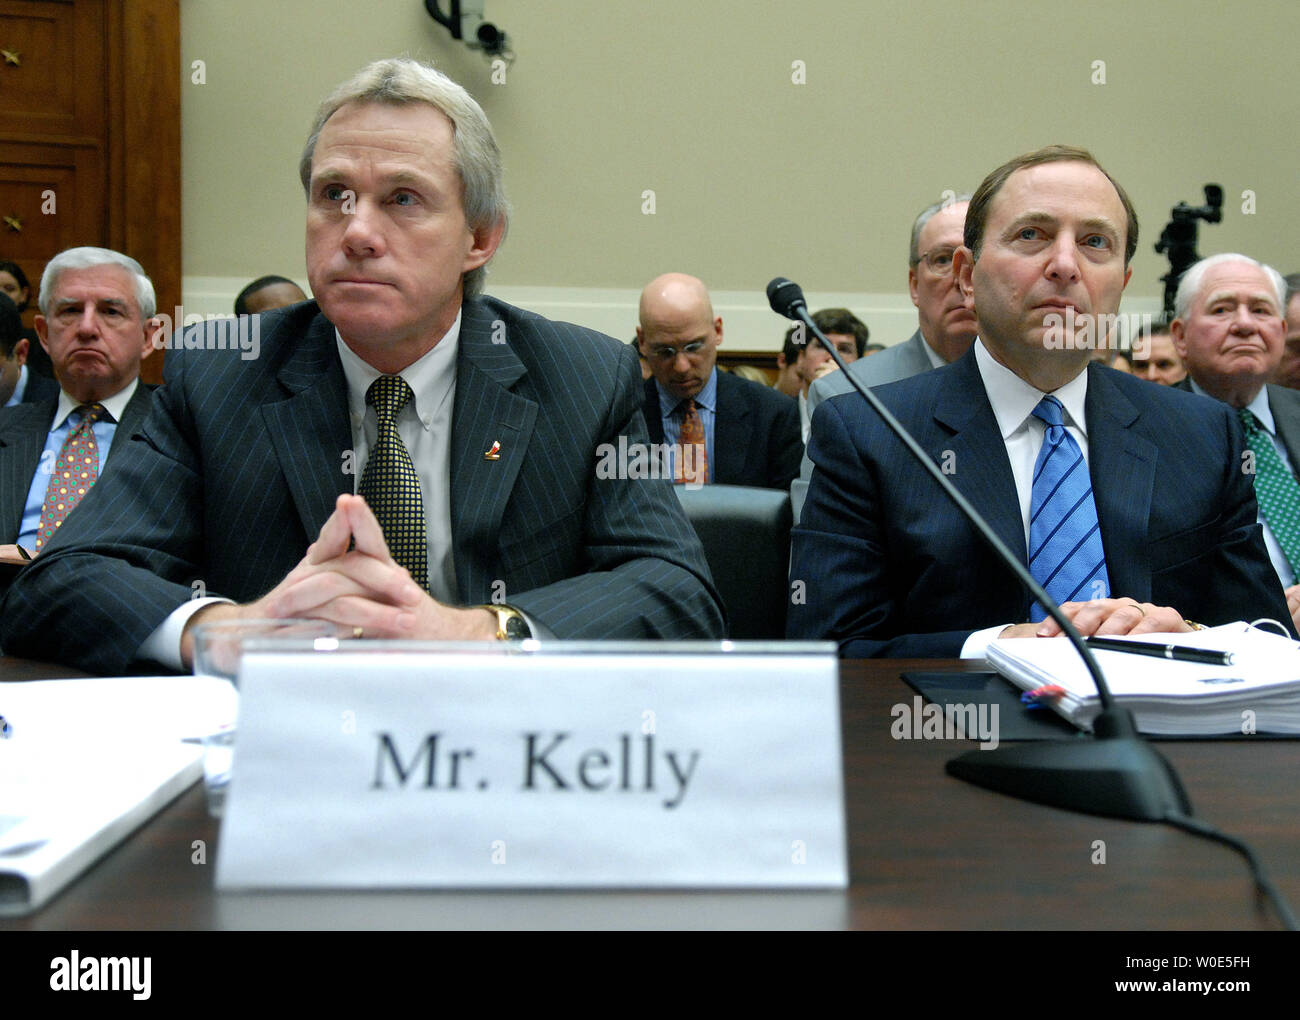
88	761
1258	693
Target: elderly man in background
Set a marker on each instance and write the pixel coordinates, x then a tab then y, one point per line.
1229	333
95	311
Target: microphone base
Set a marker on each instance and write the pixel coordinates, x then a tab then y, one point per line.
1120	776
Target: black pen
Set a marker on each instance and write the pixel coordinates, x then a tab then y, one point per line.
23	552
1176	653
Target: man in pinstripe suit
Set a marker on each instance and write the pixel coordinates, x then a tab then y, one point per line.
243	463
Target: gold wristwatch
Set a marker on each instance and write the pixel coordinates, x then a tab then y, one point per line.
511	625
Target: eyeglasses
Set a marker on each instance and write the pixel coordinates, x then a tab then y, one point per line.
938	260
667	353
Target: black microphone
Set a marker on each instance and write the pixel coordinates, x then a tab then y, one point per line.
1117	774
786	298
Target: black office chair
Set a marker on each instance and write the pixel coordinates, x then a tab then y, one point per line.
746	538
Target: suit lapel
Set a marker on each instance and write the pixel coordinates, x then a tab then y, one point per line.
963	409
1122	465
310	430
133	416
486	412
21	441
730	431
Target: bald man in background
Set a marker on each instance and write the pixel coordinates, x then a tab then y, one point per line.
749	432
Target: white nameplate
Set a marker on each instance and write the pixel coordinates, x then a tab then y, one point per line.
370	769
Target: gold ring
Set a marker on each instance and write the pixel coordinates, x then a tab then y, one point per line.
358	632
1138	606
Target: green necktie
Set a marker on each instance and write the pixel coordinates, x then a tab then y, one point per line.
389	484
1275	488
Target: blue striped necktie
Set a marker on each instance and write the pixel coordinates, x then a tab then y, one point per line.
1065	553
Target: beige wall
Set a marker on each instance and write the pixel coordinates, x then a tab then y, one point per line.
755	176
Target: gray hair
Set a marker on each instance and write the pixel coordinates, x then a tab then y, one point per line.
1189	285
927	214
400	80
88	258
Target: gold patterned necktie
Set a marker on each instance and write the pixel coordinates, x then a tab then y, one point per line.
75	471
389	484
693	460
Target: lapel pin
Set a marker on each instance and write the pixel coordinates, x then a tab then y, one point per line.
493	454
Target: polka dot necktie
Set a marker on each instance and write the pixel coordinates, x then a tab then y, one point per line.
1276	489
693	461
75	471
389	484
1065	551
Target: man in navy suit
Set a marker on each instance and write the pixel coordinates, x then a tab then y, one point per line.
456	417
751	432
95	312
1159	516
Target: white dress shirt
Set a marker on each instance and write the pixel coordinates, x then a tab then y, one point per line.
1013	402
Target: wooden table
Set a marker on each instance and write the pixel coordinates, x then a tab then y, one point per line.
926	851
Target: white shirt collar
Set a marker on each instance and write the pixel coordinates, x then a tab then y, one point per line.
431	378
114	405
1014	400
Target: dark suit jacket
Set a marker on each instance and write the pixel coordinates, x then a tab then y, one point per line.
39	388
1285	405
890	568
240	464
23	431
756	435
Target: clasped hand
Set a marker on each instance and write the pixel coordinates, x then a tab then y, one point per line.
348	578
1103	617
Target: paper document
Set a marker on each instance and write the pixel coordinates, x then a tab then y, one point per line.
1258	693
89	760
